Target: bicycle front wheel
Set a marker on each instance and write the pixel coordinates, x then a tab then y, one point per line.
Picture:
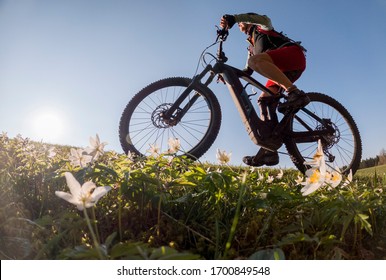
143	128
342	145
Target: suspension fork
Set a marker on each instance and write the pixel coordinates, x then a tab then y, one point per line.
176	105
197	94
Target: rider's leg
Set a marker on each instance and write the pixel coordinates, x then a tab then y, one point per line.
263	64
267	105
273	64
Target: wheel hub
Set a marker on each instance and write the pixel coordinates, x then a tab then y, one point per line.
159	118
329	139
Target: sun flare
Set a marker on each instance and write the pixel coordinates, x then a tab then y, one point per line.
47	125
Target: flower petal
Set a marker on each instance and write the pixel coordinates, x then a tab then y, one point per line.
299	180
72	184
223	157
80	206
87	188
308	189
99	192
66	196
94	142
280	175
348	179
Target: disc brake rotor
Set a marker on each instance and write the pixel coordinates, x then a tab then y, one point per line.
158	116
330	139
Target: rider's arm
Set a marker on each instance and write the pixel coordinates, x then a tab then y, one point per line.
262	21
248	70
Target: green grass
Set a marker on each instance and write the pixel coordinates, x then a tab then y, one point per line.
173	208
371	171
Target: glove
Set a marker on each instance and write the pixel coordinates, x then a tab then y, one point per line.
229	20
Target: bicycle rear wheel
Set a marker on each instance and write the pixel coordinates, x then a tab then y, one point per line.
342	146
143	124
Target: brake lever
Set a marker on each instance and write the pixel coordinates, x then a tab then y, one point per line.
222	33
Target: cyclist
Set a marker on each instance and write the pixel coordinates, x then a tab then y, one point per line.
278	58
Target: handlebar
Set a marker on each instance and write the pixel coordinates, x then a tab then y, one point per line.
222	35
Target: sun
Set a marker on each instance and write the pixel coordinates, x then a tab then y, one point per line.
47	125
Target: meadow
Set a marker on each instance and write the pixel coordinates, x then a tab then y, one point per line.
379	170
166	207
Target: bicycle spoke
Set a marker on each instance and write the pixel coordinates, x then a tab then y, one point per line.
148	126
330	126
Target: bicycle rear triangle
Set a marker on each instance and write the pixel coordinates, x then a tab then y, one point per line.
188	110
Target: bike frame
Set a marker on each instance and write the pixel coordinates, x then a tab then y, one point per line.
232	76
253	124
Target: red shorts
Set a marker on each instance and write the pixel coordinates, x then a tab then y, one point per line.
290	60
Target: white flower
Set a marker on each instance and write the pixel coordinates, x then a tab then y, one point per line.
314	180
174	145
51	152
280	175
79	158
84	196
333	178
348	179
170	159
96	147
263	195
319	176
318	156
154	150
223	157
261	176
299	180
270	179
130	155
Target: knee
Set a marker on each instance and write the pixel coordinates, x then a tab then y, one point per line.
254	62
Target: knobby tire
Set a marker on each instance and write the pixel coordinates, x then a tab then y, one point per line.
141	124
345	145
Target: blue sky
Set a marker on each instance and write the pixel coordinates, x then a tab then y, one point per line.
78	62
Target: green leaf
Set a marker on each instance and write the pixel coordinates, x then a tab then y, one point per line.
362	219
182	182
346	222
110	239
293	238
182	199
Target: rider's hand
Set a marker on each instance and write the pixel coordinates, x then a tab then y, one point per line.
227	21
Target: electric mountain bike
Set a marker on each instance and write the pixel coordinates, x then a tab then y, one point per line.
187	109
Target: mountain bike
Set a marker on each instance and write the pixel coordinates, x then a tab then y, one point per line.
188	110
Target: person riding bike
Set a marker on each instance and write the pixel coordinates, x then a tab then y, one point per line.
278	58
